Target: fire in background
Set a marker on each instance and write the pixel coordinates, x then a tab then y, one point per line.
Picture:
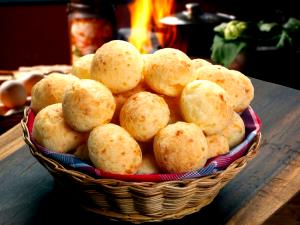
147	32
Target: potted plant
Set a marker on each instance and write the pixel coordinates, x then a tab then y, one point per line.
235	38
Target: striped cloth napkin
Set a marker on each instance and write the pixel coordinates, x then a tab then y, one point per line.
213	165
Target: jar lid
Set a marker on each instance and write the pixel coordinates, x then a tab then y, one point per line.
93	3
82	2
100	7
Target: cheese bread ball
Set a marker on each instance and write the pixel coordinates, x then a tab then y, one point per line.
248	89
121	98
82	152
149	165
82	66
197	63
230	82
168	70
144	114
217	145
87	104
206	104
118	65
235	131
212	73
180	147
50	90
112	149
174	107
51	131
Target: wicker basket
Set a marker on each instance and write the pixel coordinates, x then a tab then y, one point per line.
139	202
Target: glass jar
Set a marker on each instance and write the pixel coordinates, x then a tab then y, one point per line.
91	24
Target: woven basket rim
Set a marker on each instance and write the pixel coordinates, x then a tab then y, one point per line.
253	149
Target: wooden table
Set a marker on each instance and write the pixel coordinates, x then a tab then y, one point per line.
30	196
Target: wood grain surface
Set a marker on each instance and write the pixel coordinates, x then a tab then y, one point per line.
278	165
11	141
29	194
288	214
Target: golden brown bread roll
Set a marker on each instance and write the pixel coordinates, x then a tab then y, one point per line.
167	71
118	65
248	89
121	98
217	145
149	165
112	149
81	68
51	131
235	131
87	104
197	63
232	82
180	147
206	104
144	114
82	152
50	90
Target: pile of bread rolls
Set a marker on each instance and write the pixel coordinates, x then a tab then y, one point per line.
130	113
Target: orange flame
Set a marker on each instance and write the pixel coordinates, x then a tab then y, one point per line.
162	9
145	16
140	18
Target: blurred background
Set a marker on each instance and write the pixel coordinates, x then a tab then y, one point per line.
48	32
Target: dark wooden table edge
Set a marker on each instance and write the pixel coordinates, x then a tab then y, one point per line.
269	199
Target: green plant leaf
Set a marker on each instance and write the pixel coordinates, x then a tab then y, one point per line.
220	28
224	52
266	27
284	40
292	25
234	29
